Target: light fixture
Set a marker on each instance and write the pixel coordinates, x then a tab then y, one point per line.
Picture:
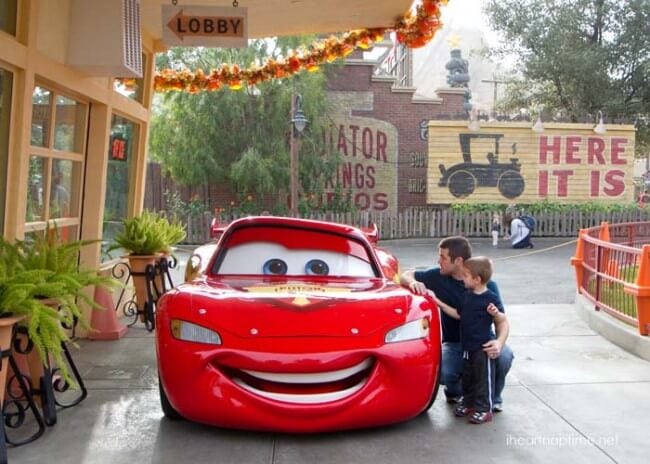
298	124
299	120
600	127
538	126
473	125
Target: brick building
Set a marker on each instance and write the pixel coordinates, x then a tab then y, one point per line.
374	105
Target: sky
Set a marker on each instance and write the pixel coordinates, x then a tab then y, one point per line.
465	19
466	13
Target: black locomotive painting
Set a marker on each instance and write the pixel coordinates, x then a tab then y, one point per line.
463	178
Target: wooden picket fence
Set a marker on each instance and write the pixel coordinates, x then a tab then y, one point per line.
443	223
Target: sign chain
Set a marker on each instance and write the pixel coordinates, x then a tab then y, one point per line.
235	3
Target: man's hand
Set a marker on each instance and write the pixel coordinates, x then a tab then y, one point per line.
417	287
407	279
492	349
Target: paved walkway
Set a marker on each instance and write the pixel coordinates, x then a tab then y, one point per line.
572	397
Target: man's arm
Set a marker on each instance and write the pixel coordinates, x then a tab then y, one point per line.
407	279
502	328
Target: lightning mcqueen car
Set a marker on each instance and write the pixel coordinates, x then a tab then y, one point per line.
297	326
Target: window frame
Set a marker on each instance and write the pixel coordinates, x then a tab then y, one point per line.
49	154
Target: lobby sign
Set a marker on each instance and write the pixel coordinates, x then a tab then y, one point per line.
510	163
191	25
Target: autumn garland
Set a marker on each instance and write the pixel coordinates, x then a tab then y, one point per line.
412	30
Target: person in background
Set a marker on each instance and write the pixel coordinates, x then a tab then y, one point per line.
447	282
496	229
60	202
520	233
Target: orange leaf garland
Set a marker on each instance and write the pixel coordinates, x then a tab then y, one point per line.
412	30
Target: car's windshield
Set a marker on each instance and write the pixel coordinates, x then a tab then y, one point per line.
292	252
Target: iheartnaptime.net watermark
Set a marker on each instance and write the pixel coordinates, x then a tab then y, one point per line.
559	441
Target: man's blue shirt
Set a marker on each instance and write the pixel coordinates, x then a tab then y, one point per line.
450	291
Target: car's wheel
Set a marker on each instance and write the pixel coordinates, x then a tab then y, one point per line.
461	184
436	387
511	184
167	408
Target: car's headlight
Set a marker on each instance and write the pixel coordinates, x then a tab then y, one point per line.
409	331
189	332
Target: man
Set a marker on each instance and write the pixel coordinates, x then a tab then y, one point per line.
520	233
446	281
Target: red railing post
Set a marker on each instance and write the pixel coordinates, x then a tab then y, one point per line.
641	291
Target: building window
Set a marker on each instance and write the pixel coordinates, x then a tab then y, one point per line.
122	149
56	162
8	15
6	85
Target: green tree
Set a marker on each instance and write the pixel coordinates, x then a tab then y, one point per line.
578	57
241	137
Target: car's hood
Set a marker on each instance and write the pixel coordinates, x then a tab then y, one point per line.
300	308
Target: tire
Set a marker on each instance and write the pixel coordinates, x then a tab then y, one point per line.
167	408
461	184
511	184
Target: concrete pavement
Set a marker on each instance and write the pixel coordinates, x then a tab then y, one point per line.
571	397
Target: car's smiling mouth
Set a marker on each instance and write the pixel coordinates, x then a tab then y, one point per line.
305	388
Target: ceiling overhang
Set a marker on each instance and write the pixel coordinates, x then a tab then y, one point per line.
269	18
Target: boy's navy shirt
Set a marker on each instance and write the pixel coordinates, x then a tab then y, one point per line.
475	321
450	291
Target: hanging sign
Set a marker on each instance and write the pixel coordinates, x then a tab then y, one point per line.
205	26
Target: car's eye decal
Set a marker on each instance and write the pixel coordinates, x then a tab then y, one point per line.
317	267
275	266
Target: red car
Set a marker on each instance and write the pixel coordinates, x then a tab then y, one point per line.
296	326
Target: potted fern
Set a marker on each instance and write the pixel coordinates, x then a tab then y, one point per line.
41	281
147	238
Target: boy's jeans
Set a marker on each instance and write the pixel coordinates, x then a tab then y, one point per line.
452	370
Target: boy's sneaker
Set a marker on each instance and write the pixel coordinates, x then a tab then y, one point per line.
463	411
480	417
497	407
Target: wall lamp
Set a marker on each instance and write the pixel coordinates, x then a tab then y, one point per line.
600	127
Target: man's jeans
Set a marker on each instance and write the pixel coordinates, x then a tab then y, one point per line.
452	370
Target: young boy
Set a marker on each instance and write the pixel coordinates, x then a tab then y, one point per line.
479	309
496	229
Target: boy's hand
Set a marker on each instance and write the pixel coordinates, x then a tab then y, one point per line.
492	310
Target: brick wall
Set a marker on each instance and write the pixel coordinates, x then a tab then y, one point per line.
398	108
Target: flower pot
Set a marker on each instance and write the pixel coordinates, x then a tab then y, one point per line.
138	265
6	337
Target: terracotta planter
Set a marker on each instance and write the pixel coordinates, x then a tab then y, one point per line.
6	335
138	264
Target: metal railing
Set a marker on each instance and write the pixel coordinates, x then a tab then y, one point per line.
612	264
